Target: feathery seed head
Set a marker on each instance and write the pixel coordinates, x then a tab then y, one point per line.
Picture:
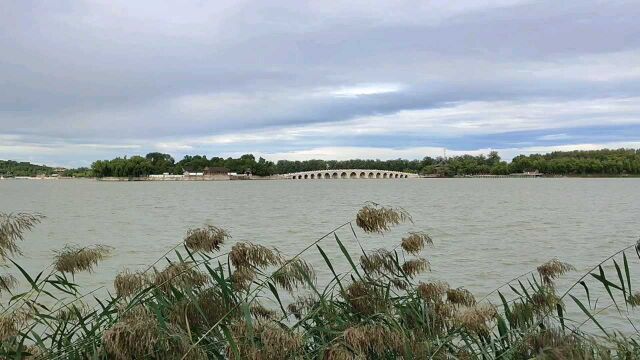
246	254
206	239
242	278
415	266
12	228
376	218
294	274
460	296
7	282
415	242
378	262
553	269
73	258
127	283
373	339
476	318
180	275
365	298
433	292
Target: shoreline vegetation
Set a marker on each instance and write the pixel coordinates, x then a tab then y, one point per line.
592	163
215	298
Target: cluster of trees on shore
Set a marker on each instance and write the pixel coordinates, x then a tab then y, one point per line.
572	163
15	168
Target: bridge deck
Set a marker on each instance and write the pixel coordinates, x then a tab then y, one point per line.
349	174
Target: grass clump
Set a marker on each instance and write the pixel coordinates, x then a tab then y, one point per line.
211	304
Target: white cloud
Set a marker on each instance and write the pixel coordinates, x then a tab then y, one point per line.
365	89
346	153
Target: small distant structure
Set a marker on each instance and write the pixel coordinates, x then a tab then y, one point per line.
216	173
166	177
188	175
213	171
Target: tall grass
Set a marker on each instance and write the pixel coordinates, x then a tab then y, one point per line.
215	300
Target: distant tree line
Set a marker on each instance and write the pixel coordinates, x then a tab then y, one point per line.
573	163
14	168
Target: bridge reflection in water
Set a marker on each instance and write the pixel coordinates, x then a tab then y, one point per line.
349	174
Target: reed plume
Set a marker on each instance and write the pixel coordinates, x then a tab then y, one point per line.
374	218
366	298
127	283
373	339
73	258
460	296
242	277
206	239
433	292
7	282
246	254
415	242
476	318
294	274
140	335
12	229
379	262
180	275
553	269
415	266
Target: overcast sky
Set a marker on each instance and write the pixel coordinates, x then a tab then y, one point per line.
87	80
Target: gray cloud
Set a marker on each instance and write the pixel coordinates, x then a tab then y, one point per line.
140	73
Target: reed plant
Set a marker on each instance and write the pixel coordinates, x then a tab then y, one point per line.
215	300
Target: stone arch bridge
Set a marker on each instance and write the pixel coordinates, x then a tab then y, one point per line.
349	174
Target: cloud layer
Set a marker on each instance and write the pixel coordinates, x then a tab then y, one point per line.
81	80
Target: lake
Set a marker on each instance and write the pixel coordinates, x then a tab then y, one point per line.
486	231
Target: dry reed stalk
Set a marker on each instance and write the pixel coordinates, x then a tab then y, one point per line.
339	351
476	318
415	242
266	341
294	274
180	275
433	292
415	266
72	258
247	254
12	229
460	296
206	239
139	335
302	305
374	339
7	282
374	218
260	312
127	283
634	300
378	262
553	269
242	277
197	313
366	298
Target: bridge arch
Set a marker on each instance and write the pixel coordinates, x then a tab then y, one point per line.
334	175
378	176
319	176
353	175
385	176
327	176
371	176
313	176
343	175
